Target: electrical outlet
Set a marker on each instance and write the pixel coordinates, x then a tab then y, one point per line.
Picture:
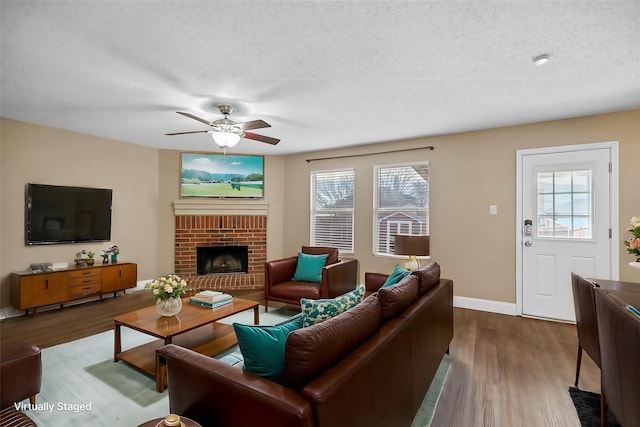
493	209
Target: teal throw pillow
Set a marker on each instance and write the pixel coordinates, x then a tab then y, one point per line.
262	347
316	311
396	275
309	268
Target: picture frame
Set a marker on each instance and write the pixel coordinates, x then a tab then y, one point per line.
220	175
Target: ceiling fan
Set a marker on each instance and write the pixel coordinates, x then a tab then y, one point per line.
226	133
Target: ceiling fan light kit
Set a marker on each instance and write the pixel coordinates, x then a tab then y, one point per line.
227	133
225	139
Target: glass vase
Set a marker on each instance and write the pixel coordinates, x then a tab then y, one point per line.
169	307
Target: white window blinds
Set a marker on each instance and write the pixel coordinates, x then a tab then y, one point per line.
401	194
332	209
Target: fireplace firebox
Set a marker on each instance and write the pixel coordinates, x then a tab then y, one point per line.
222	259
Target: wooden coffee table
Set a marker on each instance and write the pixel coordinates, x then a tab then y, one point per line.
195	327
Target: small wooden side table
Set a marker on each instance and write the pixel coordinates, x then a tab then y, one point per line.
187	422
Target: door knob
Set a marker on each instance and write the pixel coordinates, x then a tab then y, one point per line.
528	244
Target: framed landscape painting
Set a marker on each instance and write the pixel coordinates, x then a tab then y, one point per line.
221	175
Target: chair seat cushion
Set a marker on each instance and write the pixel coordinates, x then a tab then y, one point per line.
295	290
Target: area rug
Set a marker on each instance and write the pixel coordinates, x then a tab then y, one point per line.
83	386
424	416
588	408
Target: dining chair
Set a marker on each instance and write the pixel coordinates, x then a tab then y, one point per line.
586	321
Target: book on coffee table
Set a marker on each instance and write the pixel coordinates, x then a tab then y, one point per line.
210	304
210	299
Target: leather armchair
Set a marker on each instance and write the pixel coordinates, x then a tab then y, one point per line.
586	320
20	378
338	277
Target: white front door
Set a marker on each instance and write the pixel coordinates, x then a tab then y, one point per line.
565	226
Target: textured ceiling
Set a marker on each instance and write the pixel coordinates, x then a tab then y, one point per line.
324	74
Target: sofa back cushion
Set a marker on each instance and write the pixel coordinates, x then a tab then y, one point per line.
312	350
395	298
429	277
322	250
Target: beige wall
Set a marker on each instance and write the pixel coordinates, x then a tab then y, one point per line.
44	155
145	183
469	172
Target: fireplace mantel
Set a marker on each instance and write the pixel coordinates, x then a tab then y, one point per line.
219	207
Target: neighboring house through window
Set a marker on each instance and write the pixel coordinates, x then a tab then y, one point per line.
401	198
332	198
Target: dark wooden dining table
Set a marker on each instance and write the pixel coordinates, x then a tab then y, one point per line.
627	292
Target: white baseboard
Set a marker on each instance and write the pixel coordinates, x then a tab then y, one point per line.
485	305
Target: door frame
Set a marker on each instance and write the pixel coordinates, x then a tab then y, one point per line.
614	206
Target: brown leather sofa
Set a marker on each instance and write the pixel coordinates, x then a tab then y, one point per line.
339	276
371	365
619	333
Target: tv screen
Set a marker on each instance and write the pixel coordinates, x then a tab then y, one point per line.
58	214
221	175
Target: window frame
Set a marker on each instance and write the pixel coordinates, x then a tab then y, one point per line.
313	210
391	210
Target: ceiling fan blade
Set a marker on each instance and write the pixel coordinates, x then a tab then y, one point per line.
184	133
191	116
261	138
254	124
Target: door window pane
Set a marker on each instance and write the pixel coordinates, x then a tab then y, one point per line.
564	204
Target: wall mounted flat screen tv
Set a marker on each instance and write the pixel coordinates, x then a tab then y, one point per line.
59	214
221	175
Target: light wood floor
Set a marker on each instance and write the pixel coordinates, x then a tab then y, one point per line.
506	371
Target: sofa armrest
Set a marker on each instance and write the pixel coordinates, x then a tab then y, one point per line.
214	393
374	281
339	278
281	270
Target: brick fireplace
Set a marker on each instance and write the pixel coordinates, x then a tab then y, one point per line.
200	227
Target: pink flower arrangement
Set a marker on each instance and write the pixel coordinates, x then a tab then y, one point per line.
633	244
169	286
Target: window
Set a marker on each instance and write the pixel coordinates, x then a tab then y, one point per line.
564	204
401	197
332	209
